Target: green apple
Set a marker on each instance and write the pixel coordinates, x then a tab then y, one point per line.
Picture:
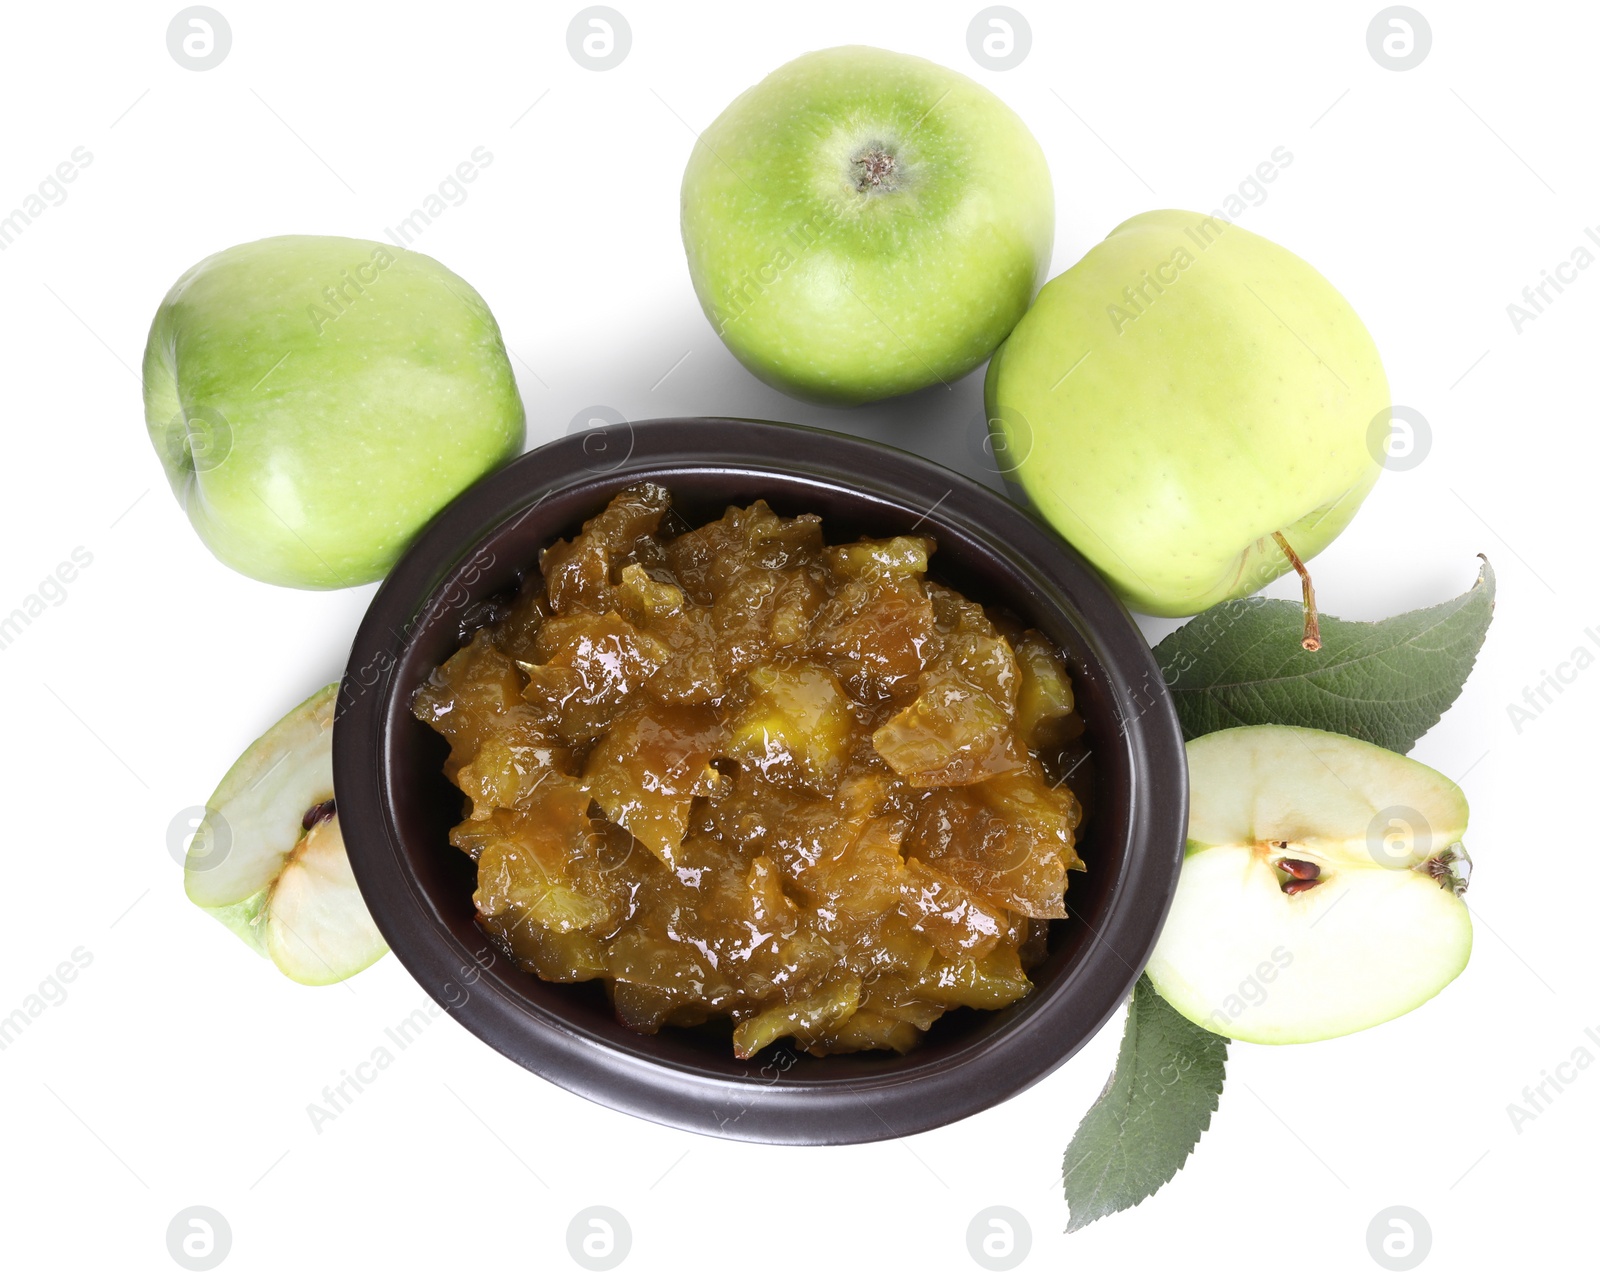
864	223
316	400
1321	892
268	858
1182	398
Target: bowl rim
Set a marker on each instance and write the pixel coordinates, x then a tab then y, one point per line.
1049	1025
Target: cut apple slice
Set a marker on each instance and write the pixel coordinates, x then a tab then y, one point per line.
1321	892
268	859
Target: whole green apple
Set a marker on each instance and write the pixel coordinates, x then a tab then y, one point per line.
1181	399
863	223
315	400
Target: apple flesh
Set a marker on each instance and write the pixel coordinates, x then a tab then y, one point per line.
315	400
1321	892
864	223
1181	395
268	859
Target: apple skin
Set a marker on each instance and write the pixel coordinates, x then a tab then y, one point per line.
838	295
1234	403
310	438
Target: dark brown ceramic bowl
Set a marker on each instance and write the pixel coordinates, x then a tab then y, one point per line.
396	807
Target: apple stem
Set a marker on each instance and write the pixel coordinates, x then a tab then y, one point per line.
1313	635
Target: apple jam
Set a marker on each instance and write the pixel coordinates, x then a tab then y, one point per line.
737	772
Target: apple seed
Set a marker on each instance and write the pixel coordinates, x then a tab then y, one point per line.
317	813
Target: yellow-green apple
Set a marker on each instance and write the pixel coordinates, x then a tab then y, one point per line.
1191	407
315	400
864	223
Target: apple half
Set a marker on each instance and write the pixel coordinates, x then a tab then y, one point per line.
1321	890
268	859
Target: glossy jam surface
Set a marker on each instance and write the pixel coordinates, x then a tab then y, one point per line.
736	772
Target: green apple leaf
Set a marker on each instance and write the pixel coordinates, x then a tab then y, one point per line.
1154	1109
1386	682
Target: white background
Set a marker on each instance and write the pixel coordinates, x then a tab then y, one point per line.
179	1068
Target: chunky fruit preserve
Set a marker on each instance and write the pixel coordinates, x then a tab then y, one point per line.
737	772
